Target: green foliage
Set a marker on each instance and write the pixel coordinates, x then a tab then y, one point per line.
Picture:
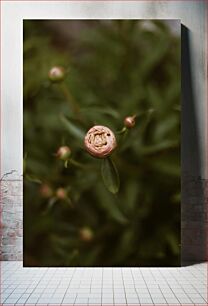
114	69
110	175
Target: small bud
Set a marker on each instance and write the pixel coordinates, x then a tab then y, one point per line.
63	153
61	193
129	122
56	74
100	141
86	234
46	191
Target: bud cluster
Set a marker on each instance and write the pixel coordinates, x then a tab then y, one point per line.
86	234
63	153
56	74
129	122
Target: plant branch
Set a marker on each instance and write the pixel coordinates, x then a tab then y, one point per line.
70	99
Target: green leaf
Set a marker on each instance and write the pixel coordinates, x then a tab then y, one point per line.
157	148
110	175
110	204
50	205
94	110
73	129
66	163
33	179
132	189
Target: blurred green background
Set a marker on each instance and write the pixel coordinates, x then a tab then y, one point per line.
115	68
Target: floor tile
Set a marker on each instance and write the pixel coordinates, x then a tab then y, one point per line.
111	286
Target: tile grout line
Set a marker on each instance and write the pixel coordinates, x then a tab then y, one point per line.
147	287
183	288
69	284
123	283
135	286
169	287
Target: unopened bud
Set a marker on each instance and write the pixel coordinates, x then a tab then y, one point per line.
56	74
100	141
61	193
63	153
46	191
129	122
86	234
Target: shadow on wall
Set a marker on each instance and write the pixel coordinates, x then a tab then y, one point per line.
193	229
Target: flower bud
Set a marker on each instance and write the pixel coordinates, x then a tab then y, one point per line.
63	153
46	191
56	74
86	234
61	193
100	141
129	122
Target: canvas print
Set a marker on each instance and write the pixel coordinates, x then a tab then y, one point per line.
102	143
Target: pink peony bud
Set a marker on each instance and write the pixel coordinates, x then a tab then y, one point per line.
46	191
100	141
56	74
61	193
63	153
129	122
86	234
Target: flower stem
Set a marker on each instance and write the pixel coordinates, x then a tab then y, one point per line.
70	99
78	164
123	137
122	131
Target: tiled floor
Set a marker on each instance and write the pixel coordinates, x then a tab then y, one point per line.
103	286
